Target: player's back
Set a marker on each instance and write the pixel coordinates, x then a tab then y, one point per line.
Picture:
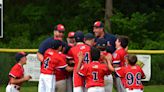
95	74
132	76
50	62
76	49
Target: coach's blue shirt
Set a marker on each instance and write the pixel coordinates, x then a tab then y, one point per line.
47	43
110	42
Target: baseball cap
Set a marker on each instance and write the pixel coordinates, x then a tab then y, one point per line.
71	34
79	36
56	44
101	42
19	55
60	27
98	24
89	36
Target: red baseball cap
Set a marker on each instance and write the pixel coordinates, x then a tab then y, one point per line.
71	34
60	27
98	24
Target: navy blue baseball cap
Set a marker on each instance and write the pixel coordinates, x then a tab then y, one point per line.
19	55
56	44
79	36
98	24
101	42
89	36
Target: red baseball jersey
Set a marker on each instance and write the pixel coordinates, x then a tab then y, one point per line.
73	52
94	73
119	57
52	60
17	71
61	74
132	76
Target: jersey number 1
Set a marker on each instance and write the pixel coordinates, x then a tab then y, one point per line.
95	76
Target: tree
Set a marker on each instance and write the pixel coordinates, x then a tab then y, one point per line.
108	14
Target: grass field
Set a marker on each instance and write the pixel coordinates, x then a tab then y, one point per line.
33	88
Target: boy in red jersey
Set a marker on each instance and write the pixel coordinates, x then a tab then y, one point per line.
108	79
132	74
89	39
93	72
52	61
119	58
16	74
78	82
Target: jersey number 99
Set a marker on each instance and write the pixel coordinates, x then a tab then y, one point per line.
130	78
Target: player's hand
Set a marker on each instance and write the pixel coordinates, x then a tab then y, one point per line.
27	77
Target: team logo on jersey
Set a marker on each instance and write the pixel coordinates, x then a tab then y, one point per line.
95	66
114	55
82	47
51	53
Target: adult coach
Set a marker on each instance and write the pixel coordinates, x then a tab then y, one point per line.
47	43
98	29
16	75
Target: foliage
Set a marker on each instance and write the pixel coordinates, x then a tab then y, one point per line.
140	29
28	22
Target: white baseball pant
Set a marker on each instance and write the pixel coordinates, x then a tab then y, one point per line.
12	88
96	89
46	83
108	81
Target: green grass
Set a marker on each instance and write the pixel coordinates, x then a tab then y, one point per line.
33	88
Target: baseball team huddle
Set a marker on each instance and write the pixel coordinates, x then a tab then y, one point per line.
85	63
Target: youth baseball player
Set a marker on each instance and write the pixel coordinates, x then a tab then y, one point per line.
16	75
108	79
52	60
93	72
119	58
132	75
78	82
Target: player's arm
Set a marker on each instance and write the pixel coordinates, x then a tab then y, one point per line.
80	57
143	74
13	80
69	68
109	61
40	56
